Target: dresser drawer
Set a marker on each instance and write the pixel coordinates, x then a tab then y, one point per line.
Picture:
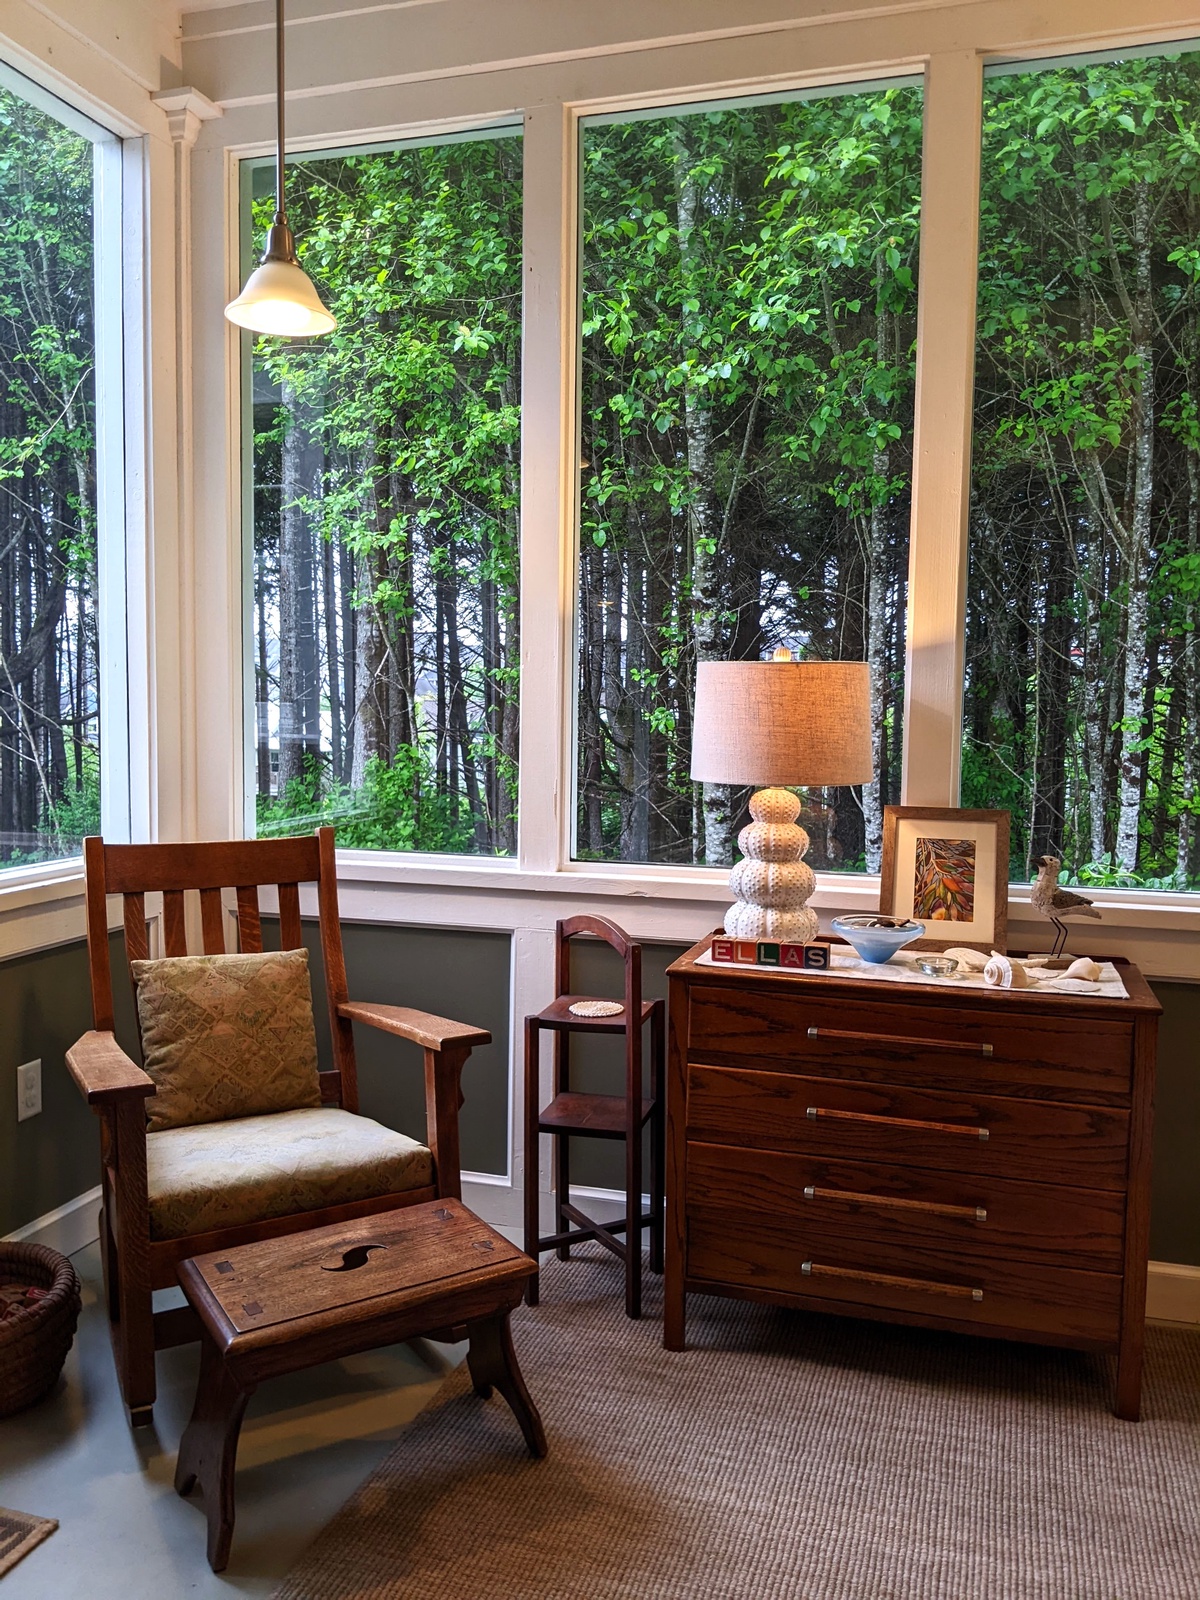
748	1251
970	1217
981	1048
911	1127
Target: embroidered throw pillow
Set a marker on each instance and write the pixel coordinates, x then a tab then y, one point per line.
227	1036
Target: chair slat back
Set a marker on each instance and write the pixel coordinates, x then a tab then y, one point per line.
249	922
133	871
631	955
174	926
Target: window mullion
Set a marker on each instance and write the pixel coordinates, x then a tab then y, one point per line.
937	572
549	471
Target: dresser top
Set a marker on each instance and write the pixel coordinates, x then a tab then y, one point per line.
1139	1001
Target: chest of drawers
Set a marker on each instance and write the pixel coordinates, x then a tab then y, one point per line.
976	1160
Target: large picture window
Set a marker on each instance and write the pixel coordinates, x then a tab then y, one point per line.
748	328
1081	712
386	498
49	635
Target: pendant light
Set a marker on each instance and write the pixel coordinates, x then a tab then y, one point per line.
279	296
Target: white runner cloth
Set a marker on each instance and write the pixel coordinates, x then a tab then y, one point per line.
902	968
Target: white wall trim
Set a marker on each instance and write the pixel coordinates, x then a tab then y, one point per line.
67	1228
1173	1293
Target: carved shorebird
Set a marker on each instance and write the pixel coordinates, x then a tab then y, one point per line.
1056	903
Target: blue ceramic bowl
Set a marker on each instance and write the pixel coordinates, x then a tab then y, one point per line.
877	938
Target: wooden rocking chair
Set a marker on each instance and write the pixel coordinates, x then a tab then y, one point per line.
139	1253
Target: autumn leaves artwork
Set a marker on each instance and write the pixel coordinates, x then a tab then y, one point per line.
944	885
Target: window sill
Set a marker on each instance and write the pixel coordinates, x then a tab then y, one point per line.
42	905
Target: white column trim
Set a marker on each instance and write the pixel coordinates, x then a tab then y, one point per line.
937	563
549	478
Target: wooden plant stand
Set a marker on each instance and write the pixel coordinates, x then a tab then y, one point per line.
280	1305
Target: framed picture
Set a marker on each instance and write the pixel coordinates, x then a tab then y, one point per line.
949	870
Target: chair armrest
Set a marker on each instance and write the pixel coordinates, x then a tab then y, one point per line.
104	1073
432	1033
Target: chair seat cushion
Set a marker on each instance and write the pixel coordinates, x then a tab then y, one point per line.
225	1174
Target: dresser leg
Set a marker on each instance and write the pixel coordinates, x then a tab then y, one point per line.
674	1318
1129	1380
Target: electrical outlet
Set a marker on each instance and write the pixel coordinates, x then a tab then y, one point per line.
29	1090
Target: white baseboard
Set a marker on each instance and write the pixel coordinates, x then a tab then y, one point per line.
1172	1289
67	1228
1173	1293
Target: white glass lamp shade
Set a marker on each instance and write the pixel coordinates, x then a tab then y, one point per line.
281	298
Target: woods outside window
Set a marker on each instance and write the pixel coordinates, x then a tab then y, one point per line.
1081	710
748	359
61	532
386	503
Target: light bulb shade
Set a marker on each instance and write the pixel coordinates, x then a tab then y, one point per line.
281	298
799	724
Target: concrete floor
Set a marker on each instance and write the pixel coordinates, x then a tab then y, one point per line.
124	1534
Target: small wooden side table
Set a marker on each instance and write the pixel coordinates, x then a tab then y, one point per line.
280	1305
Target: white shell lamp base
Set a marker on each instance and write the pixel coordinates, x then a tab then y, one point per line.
773	884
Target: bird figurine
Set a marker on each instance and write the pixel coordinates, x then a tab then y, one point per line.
1056	903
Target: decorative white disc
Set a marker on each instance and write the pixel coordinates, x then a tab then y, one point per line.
596	1008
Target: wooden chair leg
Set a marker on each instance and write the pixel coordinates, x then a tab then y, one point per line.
633	1223
562	1190
208	1450
133	1343
492	1360
658	1127
532	1181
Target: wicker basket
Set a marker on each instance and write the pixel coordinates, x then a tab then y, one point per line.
34	1342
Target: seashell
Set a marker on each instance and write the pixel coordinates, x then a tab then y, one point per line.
785	885
1084	968
972	960
774	806
772	841
744	921
1001	973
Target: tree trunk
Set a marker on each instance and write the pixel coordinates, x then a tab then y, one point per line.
299	684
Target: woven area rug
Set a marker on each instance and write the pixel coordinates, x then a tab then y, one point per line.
783	1455
19	1534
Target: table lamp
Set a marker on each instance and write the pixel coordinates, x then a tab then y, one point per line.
806	724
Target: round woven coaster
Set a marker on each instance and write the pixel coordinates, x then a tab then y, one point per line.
596	1008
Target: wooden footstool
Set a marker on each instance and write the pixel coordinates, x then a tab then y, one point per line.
280	1305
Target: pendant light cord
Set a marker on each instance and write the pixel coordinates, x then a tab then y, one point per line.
280	213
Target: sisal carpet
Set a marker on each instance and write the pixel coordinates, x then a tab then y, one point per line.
19	1534
783	1457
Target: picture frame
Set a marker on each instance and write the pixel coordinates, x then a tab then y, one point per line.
948	868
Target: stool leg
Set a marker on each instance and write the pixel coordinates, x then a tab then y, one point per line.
491	1359
658	1123
532	1175
208	1449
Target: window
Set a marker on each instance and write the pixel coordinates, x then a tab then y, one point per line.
385	503
49	472
748	326
1081	703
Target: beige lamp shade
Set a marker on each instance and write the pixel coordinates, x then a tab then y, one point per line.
785	723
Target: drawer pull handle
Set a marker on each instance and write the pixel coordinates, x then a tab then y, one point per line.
889	1280
930	1208
898	1038
982	1134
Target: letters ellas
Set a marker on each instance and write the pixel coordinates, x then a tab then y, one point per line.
816	957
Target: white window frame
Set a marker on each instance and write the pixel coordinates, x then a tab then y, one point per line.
41	904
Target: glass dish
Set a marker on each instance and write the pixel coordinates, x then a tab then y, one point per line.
877	938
